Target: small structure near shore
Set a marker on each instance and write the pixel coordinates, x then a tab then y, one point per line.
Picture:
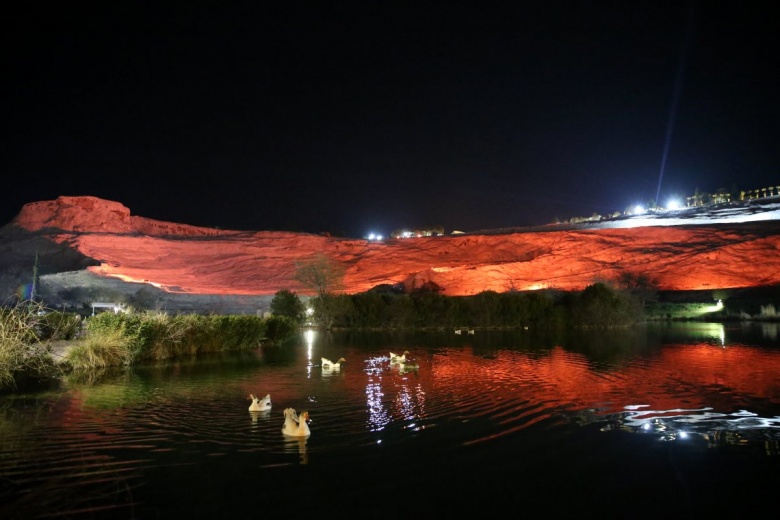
116	307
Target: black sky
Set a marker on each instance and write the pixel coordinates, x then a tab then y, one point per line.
349	117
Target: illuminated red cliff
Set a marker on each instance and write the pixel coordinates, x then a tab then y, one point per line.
689	253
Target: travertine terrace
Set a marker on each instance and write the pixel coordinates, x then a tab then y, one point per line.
105	238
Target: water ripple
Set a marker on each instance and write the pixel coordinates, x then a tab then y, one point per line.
102	441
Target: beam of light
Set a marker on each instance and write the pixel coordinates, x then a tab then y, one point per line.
676	96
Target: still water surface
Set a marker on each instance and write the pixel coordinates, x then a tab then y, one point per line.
678	420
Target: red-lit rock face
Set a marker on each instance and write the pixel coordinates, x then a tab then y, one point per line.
190	259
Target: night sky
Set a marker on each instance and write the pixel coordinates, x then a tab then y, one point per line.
351	117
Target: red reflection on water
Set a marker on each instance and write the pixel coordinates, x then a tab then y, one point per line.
682	376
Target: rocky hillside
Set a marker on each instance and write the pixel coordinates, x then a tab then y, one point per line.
101	241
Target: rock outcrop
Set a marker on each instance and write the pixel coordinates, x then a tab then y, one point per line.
77	233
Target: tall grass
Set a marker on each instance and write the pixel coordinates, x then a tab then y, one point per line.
22	350
111	340
150	336
100	349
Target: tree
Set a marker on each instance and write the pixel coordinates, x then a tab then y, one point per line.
599	305
286	303
486	308
324	277
320	274
333	309
146	298
640	285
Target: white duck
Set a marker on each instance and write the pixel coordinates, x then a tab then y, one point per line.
295	426
327	363
290	419
260	405
395	358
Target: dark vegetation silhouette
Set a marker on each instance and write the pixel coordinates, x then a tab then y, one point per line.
598	305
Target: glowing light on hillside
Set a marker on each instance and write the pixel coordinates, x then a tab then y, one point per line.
639	209
130	279
673	204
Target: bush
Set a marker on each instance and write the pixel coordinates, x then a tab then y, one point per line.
600	306
100	349
430	309
279	328
58	326
286	303
110	325
235	332
162	336
157	335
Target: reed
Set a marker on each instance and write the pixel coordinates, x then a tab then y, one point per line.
111	340
155	336
100	349
165	336
21	348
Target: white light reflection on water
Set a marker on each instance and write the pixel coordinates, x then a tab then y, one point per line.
465	416
408	396
410	400
716	428
770	330
378	415
716	332
309	337
404	401
712	332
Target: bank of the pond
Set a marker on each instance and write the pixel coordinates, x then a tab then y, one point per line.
61	341
47	344
59	350
756	304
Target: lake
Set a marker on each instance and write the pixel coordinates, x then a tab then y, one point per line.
678	420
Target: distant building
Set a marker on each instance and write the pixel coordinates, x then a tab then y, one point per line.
418	232
771	191
723	197
115	307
